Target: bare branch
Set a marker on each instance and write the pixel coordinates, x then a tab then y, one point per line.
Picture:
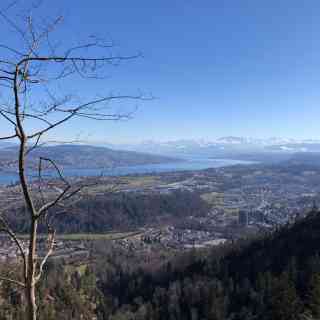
7	62
75	111
12	4
35	145
56	168
5	228
3	113
51	239
11	49
9	137
51	204
6	71
18	283
5	78
61	59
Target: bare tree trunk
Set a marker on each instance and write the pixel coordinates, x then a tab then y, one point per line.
30	272
31	307
31	301
30	283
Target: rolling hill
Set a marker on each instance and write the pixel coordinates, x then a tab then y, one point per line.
83	156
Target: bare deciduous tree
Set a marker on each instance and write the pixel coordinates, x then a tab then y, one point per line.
31	73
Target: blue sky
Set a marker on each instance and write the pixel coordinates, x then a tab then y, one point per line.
245	68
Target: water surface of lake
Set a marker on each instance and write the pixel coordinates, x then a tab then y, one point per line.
188	165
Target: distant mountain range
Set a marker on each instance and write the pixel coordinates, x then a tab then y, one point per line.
152	152
83	156
6	144
223	147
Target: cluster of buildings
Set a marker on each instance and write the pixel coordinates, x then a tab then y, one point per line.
65	251
8	249
171	237
240	198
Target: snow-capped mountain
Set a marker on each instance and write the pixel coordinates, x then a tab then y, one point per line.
224	145
264	142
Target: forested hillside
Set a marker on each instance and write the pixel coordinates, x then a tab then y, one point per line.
120	211
274	277
82	157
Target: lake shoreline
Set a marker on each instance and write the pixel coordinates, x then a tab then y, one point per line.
193	164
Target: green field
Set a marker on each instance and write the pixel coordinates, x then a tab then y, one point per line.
213	198
90	236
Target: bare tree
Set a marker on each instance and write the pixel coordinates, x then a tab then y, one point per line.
33	104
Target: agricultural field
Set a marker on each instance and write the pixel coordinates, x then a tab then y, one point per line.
113	235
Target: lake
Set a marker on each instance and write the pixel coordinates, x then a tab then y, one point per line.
189	164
